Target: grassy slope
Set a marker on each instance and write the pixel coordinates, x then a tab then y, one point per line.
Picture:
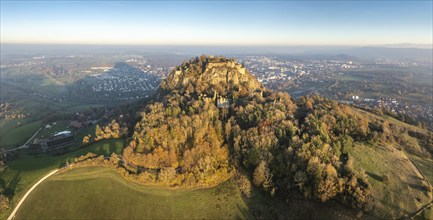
23	172
404	194
427	214
425	165
17	136
101	193
391	120
8	124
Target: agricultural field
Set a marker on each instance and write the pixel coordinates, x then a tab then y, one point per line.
20	174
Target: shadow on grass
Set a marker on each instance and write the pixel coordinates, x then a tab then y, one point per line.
10	188
417	187
244	213
374	176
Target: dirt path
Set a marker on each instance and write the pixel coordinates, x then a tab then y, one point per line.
12	215
412	216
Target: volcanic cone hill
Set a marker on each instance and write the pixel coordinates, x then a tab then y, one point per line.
212	120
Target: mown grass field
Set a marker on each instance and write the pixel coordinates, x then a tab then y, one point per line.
404	193
23	172
101	193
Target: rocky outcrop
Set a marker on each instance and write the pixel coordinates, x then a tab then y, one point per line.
208	74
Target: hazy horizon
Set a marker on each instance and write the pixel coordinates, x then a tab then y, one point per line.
393	45
238	23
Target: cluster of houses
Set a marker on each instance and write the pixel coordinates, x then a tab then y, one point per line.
273	70
123	78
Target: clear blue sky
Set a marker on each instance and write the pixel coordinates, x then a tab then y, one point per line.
217	22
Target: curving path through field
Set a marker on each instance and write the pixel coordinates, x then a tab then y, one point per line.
12	215
25	145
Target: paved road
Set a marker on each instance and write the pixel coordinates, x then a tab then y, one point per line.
12	215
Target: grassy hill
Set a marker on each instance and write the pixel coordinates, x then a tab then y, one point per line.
12	135
403	193
20	174
305	158
407	165
103	189
101	193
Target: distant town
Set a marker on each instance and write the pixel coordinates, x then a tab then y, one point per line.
327	77
130	77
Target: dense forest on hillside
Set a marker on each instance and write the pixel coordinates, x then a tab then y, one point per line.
185	138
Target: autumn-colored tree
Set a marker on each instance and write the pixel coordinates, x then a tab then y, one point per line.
309	104
4	203
185	138
262	175
167	175
86	139
99	133
114	160
245	185
328	185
